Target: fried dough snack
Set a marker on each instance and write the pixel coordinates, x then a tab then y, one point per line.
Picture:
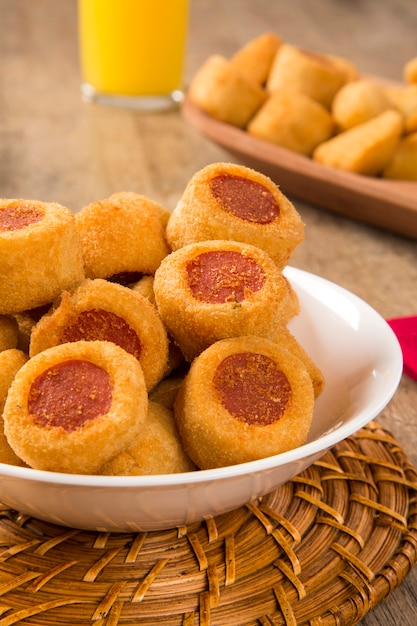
292	120
243	399
364	149
144	287
165	392
122	235
313	74
256	57
9	332
40	253
74	407
10	363
156	450
100	310
345	66
223	91
357	102
229	201
404	99
410	71
215	289
403	164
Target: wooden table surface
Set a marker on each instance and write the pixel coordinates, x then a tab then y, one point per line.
54	147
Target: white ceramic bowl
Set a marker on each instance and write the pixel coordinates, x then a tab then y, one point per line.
362	363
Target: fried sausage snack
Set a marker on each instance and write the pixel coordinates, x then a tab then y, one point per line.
243	399
100	310
156	450
9	332
229	201
74	407
40	253
215	289
122	235
10	363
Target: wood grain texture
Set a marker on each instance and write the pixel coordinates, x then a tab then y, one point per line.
55	147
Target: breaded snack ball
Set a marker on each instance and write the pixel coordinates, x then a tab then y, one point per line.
10	363
9	332
215	289
104	311
364	149
40	253
346	66
403	164
166	391
313	74
243	399
157	449
229	201
144	286
122	236
357	102
404	99
26	320
74	407
255	58
292	120
225	92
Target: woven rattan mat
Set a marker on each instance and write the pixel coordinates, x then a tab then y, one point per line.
323	549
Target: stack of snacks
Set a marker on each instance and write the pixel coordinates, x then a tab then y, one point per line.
173	357
315	104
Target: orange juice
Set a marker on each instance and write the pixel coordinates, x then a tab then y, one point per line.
132	47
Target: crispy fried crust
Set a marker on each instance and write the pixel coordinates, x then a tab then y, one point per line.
255	58
200	216
212	436
292	120
40	259
226	93
88	447
122	234
156	450
315	75
195	324
10	363
366	148
125	307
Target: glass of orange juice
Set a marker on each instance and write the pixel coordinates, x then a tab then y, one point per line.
132	51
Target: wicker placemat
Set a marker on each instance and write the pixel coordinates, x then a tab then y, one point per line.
323	549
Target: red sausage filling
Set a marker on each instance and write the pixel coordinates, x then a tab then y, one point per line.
224	276
101	325
244	198
69	394
16	216
253	388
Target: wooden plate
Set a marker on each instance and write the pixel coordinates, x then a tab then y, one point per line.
391	205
